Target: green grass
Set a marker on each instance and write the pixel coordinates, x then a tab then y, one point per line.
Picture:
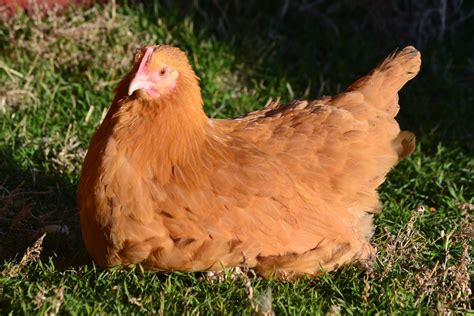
58	74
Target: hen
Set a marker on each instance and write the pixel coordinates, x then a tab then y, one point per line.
288	190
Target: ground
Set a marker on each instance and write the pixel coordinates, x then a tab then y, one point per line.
58	72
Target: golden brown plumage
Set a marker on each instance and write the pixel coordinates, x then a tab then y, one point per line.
288	190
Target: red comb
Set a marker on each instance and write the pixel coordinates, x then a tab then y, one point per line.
146	57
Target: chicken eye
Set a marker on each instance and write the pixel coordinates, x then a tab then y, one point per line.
162	71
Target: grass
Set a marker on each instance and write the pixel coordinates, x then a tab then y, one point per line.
58	73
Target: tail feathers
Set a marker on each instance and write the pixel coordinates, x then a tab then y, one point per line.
404	144
381	86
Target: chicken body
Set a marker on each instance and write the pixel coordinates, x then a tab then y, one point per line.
287	190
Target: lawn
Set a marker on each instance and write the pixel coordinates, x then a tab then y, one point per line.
58	73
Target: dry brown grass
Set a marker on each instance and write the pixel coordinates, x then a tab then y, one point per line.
67	157
40	298
453	276
446	280
404	246
32	254
261	304
57	301
71	39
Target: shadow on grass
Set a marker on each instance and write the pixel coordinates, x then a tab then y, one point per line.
32	203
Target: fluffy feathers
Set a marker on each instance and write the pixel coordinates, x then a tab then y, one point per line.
287	190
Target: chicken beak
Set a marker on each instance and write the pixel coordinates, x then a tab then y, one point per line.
138	83
142	80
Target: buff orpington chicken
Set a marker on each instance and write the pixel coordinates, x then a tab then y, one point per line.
288	190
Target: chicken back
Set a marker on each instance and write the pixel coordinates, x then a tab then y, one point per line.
288	190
